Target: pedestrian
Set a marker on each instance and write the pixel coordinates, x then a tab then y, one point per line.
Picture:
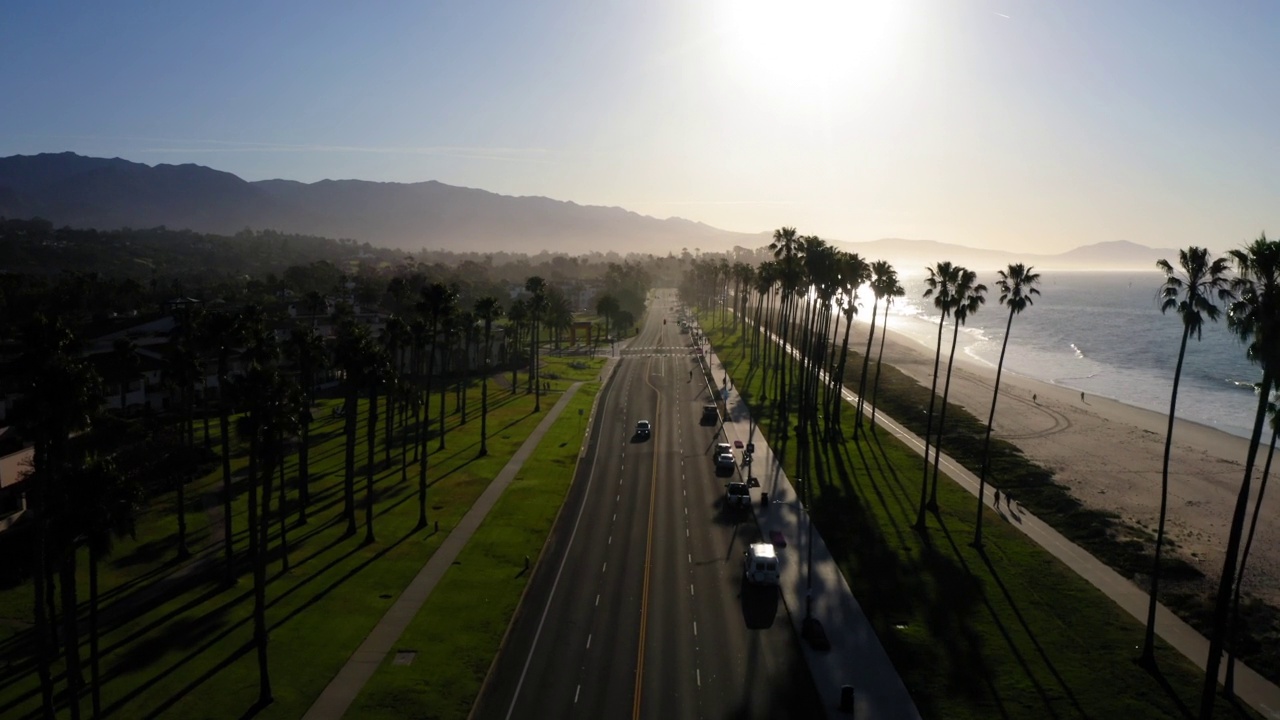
1033	399
1081	396
997	497
690	376
1008	499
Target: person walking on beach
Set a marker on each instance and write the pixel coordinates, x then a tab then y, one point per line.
1081	396
1008	498
1033	399
997	498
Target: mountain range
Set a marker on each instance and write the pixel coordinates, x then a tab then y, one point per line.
70	189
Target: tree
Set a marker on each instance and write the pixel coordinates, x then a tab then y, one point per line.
351	353
395	337
607	307
538	306
488	310
306	349
1017	285
1255	319
891	289
1194	295
941	281
126	367
226	330
880	274
969	295
183	370
375	370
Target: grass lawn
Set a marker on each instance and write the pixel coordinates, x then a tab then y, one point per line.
1005	632
176	643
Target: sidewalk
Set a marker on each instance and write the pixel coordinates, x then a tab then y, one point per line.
856	657
346	685
1250	687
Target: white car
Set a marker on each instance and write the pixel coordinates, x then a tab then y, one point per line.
725	464
760	564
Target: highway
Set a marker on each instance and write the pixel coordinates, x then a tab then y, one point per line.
636	606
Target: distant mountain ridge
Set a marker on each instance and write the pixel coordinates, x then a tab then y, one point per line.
111	193
70	189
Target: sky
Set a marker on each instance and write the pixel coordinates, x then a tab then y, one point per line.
1001	124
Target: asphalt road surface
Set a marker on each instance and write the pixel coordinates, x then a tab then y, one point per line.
637	606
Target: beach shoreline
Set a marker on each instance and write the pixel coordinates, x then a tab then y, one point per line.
1109	455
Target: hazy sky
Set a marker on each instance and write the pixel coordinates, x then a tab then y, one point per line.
1002	124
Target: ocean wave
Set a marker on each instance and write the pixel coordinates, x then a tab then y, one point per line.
1079	353
1249	385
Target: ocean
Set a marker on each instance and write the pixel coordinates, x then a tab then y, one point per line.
1102	333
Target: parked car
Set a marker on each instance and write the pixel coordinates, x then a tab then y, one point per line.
736	495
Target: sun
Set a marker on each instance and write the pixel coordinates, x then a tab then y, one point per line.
806	45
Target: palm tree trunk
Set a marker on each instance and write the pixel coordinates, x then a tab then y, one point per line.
228	544
284	499
40	572
70	627
875	386
95	684
183	551
371	436
351	410
866	363
1148	658
444	394
986	443
1217	635
928	434
304	465
942	418
1234	628
257	551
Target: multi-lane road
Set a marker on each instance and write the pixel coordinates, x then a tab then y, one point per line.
637	607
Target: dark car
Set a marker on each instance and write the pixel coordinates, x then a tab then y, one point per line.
643	429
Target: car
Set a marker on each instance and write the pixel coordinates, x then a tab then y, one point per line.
710	414
643	429
725	464
723	448
760	564
737	495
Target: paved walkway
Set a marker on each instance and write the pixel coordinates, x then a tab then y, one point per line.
346	685
847	663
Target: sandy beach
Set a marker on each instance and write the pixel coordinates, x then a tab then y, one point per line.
1110	456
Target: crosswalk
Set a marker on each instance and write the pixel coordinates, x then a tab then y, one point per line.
658	351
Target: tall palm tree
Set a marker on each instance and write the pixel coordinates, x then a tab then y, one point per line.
125	365
183	370
879	271
226	330
111	500
1255	318
538	305
307	350
606	307
1195	295
375	370
889	289
61	391
395	338
1233	627
854	272
969	295
1017	285
518	316
941	286
351	353
488	310
787	249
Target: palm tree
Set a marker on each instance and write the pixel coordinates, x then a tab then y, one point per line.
307	351
786	247
487	309
941	281
969	295
226	330
889	289
606	307
1233	629
518	315
854	271
394	339
1255	318
61	392
183	371
1195	296
438	302
351	353
111	500
375	370
538	305
1017	285
126	366
880	271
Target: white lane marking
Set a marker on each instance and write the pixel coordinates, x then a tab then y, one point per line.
588	640
575	694
597	601
699	672
695	628
605	567
618	499
690	558
610	540
691	589
686	532
615	517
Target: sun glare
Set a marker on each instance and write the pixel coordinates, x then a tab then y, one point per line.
808	45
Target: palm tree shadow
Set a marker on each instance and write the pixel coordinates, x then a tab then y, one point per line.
1026	628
